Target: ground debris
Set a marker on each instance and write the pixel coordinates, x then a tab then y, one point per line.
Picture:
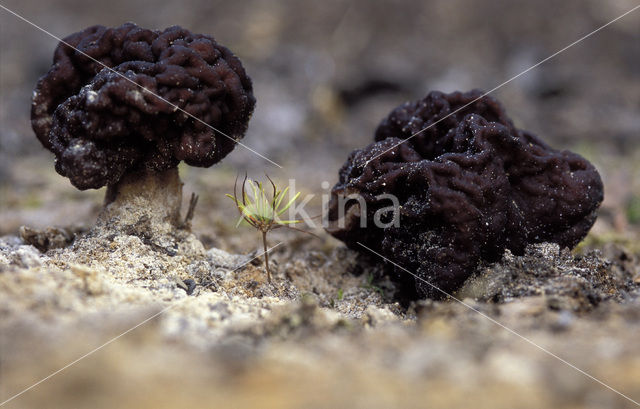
49	238
573	282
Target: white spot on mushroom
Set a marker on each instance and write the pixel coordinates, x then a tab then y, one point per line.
91	97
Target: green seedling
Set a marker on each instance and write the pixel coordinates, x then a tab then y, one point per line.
263	212
371	286
633	210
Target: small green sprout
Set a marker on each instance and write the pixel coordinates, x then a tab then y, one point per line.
633	210
371	286
262	212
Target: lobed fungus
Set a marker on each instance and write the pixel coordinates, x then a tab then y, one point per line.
121	107
468	187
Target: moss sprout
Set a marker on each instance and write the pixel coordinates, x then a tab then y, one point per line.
262	211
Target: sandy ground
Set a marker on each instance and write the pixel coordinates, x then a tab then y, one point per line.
328	331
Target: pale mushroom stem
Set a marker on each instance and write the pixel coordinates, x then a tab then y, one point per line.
154	197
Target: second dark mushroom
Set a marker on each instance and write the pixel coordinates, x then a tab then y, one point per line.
469	186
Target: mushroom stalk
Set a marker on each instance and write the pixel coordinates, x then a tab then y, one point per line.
144	196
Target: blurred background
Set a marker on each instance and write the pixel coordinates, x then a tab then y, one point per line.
325	73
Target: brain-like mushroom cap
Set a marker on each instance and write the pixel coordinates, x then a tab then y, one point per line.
101	124
469	187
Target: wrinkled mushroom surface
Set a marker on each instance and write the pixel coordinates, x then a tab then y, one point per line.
469	187
101	125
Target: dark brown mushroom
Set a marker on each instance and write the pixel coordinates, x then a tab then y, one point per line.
121	107
469	187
